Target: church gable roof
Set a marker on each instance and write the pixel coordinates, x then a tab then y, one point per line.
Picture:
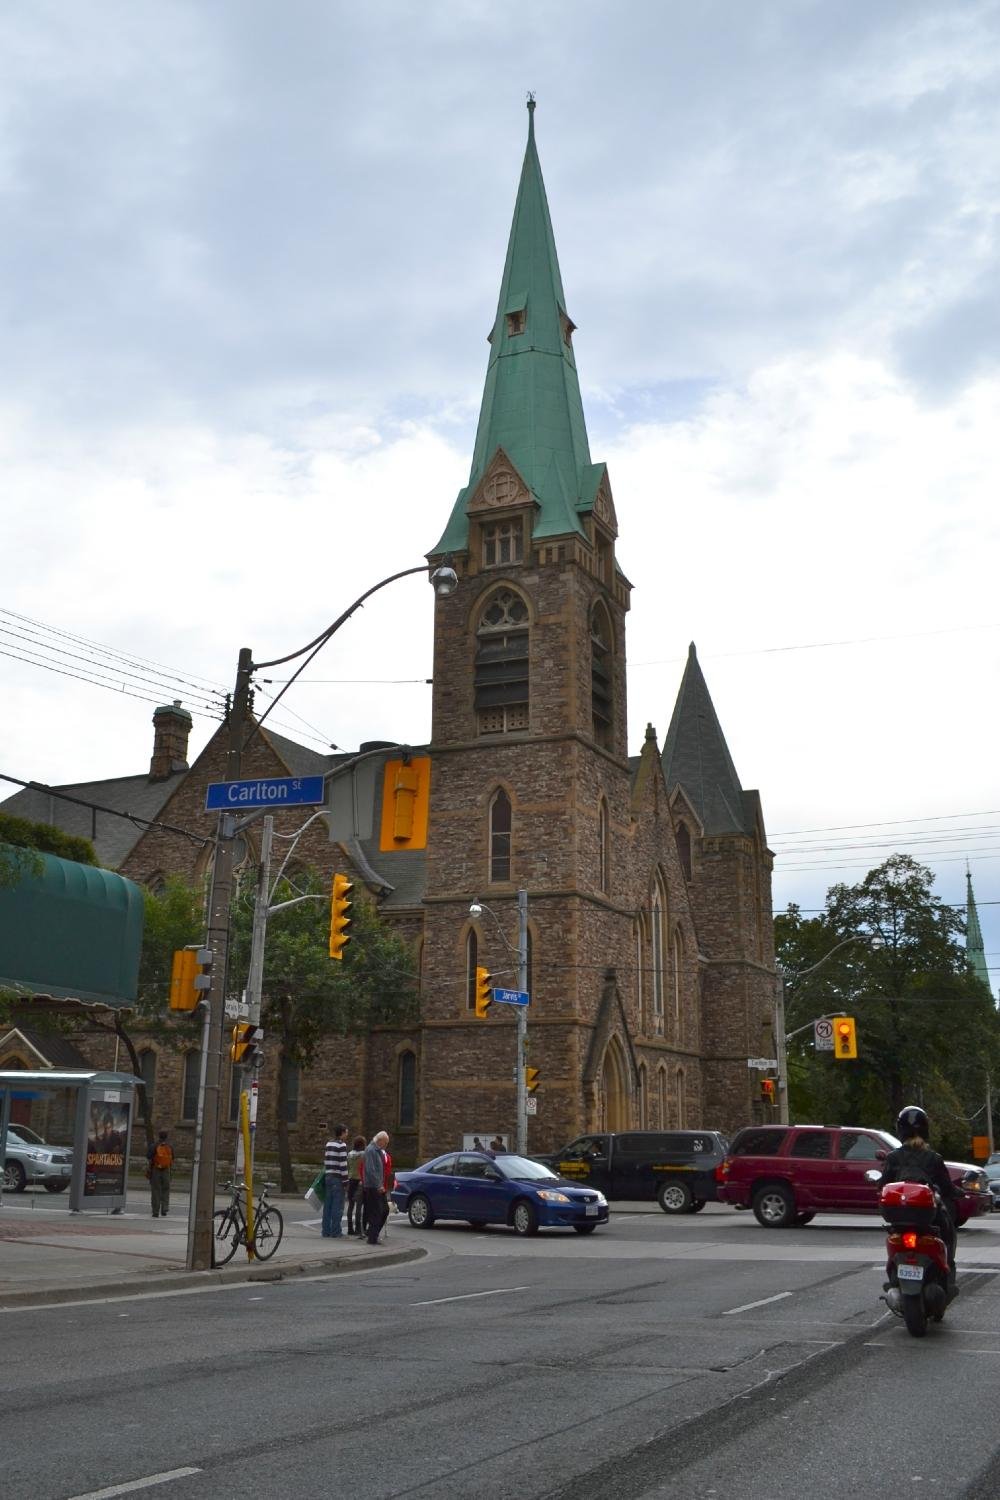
696	757
531	406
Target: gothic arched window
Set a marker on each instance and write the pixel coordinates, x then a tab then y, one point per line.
658	919
678	966
500	837
684	848
501	673
601	675
681	1099
661	1097
640	988
407	1090
643	1104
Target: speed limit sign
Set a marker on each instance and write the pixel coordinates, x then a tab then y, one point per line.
823	1035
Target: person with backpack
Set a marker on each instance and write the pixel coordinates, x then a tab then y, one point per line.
160	1158
914	1161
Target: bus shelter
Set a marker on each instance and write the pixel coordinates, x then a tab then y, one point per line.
102	1131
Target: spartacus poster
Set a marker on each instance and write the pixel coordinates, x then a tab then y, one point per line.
107	1142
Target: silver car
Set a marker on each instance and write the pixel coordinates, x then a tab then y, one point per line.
992	1174
30	1159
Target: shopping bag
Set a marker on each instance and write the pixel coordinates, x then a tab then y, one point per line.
315	1193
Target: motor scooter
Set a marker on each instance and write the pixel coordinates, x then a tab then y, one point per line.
918	1287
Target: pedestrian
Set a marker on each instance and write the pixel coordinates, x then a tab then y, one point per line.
477	1144
335	1172
160	1158
376	1195
497	1143
355	1191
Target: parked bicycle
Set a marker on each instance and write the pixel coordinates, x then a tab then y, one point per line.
229	1225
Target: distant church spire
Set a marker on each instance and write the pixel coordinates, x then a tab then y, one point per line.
696	756
531	405
974	936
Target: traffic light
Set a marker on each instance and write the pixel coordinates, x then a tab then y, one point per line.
768	1092
484	999
340	915
188	980
531	1077
246	1042
845	1041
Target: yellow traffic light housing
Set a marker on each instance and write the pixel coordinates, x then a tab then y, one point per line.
845	1040
531	1079
484	999
188	980
340	915
768	1092
244	1044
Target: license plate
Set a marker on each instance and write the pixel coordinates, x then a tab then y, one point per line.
910	1273
591	1210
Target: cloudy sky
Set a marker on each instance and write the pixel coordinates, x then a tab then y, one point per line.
249	254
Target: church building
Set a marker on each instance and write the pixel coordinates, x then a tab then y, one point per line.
650	943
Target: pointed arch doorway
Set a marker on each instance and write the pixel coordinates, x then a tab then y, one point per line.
613	1097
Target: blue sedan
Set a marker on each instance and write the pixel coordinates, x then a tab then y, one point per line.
504	1189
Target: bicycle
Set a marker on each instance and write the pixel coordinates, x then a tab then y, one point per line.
229	1226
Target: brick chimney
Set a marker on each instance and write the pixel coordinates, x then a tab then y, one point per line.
172	725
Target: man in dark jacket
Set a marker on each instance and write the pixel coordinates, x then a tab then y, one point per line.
376	1193
914	1161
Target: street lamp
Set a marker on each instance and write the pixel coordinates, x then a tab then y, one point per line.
873	939
444	581
476	910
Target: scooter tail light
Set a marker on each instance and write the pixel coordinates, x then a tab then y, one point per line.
909	1241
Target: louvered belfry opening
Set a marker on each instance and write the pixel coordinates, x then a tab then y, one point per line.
501	673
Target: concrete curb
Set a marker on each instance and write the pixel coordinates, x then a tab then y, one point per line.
192	1281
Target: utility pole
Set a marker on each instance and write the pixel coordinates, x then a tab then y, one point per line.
522	1022
780	1047
199	1246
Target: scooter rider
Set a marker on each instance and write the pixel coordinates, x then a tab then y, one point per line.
914	1161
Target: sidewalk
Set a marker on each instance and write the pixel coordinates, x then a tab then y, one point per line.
50	1255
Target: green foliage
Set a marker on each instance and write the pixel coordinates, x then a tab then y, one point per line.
42	836
174	917
306	995
928	1030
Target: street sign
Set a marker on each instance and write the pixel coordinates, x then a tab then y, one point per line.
511	997
762	1062
531	1105
271	791
823	1035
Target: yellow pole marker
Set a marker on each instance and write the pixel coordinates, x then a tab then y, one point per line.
247	1166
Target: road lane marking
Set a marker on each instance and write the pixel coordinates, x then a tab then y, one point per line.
137	1484
748	1305
500	1291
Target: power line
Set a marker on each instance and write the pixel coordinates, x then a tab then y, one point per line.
857	640
993	812
135	818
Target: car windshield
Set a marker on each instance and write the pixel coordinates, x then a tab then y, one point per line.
520	1169
26	1134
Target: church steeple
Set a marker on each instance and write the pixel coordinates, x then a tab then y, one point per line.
531	408
974	950
696	756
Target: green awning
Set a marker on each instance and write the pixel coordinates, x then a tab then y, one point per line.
74	931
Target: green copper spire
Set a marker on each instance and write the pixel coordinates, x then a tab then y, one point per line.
974	950
531	402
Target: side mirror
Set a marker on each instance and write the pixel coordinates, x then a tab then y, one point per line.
971	1180
872	1176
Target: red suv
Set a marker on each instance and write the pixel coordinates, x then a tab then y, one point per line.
789	1173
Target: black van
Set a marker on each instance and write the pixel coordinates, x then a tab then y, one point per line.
676	1167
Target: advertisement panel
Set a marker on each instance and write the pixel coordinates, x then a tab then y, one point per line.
107	1146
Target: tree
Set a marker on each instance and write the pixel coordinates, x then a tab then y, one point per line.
306	996
927	1027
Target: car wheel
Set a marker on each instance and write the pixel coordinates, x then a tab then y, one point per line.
13	1177
524	1218
774	1206
56	1187
802	1219
584	1228
697	1204
419	1212
675	1198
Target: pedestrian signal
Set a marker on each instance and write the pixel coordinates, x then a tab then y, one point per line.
245	1044
768	1092
484	999
845	1041
340	915
531	1078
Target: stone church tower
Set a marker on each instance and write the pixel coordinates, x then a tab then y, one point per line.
532	785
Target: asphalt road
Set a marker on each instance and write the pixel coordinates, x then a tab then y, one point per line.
691	1357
